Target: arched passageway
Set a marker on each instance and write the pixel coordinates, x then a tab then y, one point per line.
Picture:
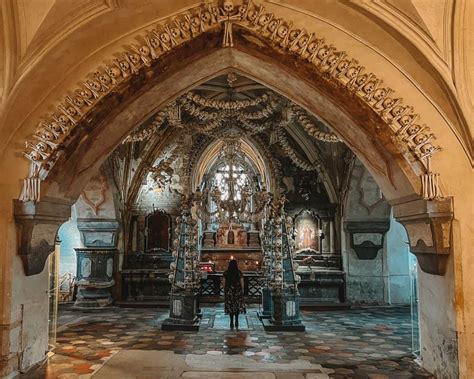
395	163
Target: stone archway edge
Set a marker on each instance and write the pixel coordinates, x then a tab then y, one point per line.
52	133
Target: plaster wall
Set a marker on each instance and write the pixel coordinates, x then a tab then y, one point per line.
384	279
31	310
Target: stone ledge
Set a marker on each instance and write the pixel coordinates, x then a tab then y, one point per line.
428	225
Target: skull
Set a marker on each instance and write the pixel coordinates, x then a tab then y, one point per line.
293	34
352	72
124	66
164	37
206	16
85	93
228	6
114	72
35	156
323	53
144	50
303	41
427	148
282	31
71	111
388	102
94	84
397	111
54	126
413	129
312	47
195	22
263	20
405	120
175	32
78	101
361	79
134	58
184	24
272	25
41	146
48	136
379	94
154	42
369	87
63	119
343	65
332	60
420	138
104	78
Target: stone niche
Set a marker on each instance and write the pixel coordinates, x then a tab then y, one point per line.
367	237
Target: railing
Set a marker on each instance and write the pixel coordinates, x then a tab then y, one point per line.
211	286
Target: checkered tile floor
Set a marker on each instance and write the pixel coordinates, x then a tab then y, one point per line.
357	343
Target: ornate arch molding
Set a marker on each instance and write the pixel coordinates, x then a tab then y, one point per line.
252	28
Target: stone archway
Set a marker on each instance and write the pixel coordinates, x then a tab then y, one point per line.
135	96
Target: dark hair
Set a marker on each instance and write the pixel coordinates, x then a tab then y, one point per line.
233	266
233	273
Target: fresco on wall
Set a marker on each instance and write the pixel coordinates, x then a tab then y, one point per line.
308	233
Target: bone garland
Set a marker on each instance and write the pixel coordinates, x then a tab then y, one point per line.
333	65
227	104
198	111
290	153
142	134
275	164
312	129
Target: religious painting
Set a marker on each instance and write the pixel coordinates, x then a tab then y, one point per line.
308	231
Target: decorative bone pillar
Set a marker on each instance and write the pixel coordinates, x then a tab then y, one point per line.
185	276
267	235
284	281
38	224
428	225
95	262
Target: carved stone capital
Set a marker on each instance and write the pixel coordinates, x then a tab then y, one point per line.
366	237
428	224
37	225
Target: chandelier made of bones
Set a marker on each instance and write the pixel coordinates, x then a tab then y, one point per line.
233	194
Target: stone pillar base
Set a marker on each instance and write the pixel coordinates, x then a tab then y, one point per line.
184	313
89	298
285	314
266	304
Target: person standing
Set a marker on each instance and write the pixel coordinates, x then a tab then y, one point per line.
233	282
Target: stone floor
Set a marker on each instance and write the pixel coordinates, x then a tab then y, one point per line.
128	343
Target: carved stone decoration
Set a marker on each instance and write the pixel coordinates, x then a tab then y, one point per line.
99	232
38	224
366	237
93	193
428	224
330	64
